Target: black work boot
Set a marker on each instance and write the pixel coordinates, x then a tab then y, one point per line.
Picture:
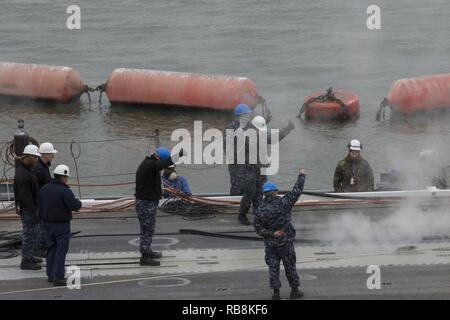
147	260
244	220
28	264
59	282
296	294
50	279
155	254
276	294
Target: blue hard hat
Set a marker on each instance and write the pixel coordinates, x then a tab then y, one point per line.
241	109
269	186
163	153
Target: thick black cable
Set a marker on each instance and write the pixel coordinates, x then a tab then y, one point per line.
223	235
231	236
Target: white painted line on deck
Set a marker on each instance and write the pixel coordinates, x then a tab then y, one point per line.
100	283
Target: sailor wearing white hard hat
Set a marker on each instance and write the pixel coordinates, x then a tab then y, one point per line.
42	171
26	198
353	174
57	204
42	166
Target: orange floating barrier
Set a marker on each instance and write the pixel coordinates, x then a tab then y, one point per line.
53	83
156	87
329	105
412	95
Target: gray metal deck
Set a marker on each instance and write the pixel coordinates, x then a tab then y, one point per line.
334	248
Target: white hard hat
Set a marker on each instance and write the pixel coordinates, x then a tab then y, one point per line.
31	150
355	145
259	122
62	170
47	147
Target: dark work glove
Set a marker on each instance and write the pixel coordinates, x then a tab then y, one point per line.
181	153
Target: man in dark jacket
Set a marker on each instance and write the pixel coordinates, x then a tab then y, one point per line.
148	193
42	172
273	222
57	204
26	196
42	166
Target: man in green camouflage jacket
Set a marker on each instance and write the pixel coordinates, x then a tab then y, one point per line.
353	174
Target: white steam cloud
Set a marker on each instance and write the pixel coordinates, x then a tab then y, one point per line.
409	224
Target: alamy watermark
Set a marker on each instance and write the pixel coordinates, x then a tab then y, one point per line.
73	22
73	277
373	22
249	146
374	281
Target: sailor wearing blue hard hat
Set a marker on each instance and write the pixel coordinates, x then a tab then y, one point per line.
273	222
243	115
148	193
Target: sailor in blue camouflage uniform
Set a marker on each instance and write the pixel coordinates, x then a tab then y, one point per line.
250	173
148	193
273	222
243	115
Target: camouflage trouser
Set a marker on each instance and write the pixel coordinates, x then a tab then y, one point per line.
42	236
252	192
146	212
235	186
259	188
273	257
30	234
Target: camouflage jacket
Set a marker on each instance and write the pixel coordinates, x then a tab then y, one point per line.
234	125
274	214
247	166
353	176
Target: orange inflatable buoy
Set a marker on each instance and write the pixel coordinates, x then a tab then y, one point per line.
155	87
61	84
420	94
329	105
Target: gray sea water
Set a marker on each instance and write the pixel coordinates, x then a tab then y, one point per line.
288	48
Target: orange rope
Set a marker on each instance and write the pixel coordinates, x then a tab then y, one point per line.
101	185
